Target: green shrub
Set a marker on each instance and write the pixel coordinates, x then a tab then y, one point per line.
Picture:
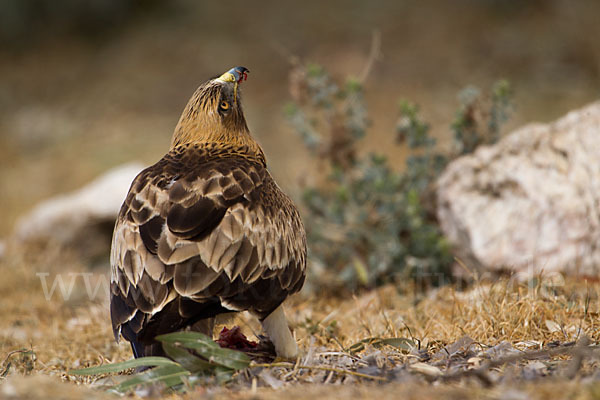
367	223
479	119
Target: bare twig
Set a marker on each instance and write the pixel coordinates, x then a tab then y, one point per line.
14	352
292	59
8	356
374	55
320	368
579	353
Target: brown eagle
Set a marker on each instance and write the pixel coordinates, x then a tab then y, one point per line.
206	231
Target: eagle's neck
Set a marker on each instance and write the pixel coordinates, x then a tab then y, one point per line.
201	124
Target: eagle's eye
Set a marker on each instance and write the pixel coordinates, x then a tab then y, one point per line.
224	106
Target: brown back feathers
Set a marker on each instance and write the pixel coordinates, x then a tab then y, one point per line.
206	229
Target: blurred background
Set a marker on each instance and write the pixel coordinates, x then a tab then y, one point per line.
86	85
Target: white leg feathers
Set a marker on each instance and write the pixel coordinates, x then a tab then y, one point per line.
276	327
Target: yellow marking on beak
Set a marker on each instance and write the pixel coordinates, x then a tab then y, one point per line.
227	77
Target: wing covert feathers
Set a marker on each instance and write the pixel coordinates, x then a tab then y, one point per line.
207	223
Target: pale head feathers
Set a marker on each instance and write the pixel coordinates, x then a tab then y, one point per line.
214	114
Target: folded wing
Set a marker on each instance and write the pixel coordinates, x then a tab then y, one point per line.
203	232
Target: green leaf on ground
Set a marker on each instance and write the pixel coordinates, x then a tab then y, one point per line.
170	375
208	349
122	366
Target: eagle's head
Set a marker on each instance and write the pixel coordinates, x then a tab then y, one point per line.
214	113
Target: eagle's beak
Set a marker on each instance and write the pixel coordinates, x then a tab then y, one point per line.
235	74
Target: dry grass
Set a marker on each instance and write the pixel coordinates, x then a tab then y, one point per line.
65	334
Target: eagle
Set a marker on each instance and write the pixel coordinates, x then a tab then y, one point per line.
206	231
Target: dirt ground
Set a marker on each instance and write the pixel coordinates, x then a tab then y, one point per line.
45	333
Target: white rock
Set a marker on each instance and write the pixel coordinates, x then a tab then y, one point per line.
64	218
531	202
